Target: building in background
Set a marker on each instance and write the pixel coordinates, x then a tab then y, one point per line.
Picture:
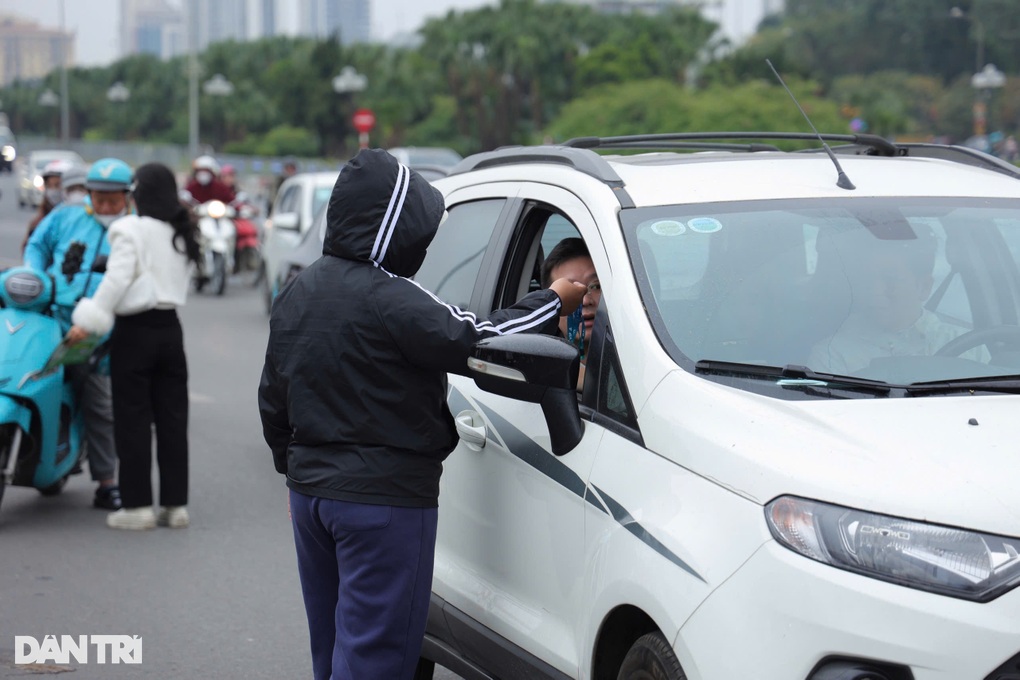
351	20
152	27
27	50
219	20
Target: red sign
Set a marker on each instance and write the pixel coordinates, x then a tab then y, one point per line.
364	120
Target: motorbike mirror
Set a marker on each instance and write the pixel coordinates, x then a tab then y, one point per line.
99	265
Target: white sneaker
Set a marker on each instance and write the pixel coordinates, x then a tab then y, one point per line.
174	516
132	518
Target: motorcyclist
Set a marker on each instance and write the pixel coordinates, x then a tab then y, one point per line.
65	245
52	194
205	184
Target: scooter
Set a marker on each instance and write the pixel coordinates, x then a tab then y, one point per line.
218	237
41	425
248	253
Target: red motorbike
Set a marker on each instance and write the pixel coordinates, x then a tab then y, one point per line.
248	249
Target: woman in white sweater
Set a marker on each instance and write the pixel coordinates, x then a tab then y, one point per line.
147	276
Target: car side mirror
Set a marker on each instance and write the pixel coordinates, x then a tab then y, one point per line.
288	221
536	368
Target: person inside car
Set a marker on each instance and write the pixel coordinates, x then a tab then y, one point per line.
570	259
890	281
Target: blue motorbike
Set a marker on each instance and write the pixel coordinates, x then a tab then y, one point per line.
40	424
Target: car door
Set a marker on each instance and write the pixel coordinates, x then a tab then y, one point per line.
282	235
511	530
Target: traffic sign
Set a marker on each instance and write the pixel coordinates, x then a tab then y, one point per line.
364	120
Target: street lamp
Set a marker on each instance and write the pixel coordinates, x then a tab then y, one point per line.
49	98
979	35
218	86
348	82
984	81
118	94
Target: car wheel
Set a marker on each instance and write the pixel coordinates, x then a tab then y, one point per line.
651	658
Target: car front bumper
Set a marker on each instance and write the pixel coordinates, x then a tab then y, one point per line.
782	614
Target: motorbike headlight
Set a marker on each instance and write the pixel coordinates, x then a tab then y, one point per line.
940	559
9	153
23	288
38	182
215	209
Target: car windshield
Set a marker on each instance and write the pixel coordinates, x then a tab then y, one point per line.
893	290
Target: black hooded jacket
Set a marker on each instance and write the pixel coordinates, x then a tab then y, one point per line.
353	392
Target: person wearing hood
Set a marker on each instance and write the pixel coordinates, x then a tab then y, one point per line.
146	280
66	245
353	406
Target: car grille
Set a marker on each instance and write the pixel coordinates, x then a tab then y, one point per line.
1007	671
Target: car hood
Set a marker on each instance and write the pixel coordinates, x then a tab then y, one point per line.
949	460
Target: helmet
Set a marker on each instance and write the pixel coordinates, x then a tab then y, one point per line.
55	168
228	169
109	174
73	176
206	163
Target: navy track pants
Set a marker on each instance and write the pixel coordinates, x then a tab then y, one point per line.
366	578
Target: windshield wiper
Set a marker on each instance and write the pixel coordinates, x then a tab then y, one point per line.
792	375
998	383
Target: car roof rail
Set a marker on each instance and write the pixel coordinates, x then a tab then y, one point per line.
959	154
691	140
582	160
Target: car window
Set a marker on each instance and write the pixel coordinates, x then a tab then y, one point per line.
451	267
289	199
872	288
320	196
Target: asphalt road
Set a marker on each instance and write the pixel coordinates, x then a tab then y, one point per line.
219	600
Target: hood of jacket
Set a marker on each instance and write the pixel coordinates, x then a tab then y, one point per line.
383	212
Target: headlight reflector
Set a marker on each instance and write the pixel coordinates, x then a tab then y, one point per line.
940	559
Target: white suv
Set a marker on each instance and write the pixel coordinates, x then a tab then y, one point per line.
796	454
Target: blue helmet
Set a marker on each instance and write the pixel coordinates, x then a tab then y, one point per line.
109	174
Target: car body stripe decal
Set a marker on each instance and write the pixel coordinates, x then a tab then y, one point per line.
528	450
633	526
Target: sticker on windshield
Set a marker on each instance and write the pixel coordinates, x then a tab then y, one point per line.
705	225
668	228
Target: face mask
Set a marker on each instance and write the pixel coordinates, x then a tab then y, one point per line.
107	220
54	196
75	197
203	177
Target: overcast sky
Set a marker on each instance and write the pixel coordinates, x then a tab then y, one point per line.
97	22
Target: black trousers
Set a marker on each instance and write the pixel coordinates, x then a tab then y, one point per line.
149	376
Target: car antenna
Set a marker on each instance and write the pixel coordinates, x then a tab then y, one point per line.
843	182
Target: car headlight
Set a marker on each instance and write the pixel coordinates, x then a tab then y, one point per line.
940	559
